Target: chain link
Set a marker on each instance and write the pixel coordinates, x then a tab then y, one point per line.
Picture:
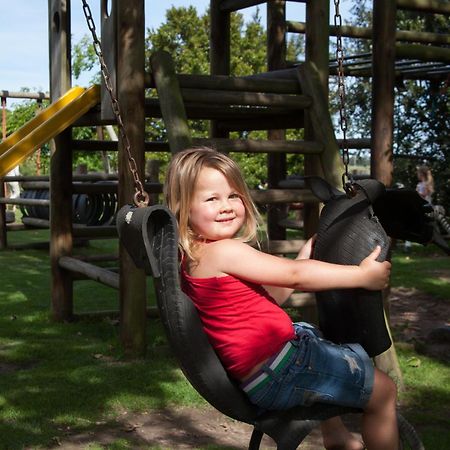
347	179
140	198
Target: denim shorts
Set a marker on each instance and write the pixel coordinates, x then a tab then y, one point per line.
314	370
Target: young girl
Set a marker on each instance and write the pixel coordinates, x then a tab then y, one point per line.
425	186
238	292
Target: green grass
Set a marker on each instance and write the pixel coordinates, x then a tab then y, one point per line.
60	376
424	268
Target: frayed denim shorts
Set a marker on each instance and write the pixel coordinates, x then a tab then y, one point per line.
310	369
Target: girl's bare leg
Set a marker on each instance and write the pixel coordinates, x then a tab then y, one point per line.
336	436
379	422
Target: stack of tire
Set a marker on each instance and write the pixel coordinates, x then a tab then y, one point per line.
87	209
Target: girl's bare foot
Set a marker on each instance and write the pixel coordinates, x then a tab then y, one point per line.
336	436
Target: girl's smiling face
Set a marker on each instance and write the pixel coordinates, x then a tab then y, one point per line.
217	211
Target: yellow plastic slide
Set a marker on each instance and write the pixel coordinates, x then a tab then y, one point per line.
46	125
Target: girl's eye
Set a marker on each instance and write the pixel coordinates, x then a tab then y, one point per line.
210	199
234	196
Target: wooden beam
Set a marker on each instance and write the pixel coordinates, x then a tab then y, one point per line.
3	233
130	93
233	83
422	52
276	60
321	125
383	82
171	102
366	33
236	5
262	146
91	271
61	239
219	50
245	98
271	196
428	6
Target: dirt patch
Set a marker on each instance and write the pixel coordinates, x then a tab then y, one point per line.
412	315
415	317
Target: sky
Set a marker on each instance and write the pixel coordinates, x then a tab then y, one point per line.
24	35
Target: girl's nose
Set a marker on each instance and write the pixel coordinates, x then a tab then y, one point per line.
225	206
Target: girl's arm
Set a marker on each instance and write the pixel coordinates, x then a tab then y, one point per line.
281	294
235	258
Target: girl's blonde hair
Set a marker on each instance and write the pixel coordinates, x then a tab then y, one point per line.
179	186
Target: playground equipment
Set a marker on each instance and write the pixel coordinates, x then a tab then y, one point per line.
129	81
47	124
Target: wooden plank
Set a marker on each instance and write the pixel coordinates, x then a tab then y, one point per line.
261	146
233	83
366	33
104	276
282	196
236	5
422	52
278	247
171	102
429	6
263	123
246	98
331	163
92	232
24	201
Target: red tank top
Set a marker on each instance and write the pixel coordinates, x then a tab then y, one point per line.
243	323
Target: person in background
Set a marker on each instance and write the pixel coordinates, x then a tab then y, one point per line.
13	186
425	185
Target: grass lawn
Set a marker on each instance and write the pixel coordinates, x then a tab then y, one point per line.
56	377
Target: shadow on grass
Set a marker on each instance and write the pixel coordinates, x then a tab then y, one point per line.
60	375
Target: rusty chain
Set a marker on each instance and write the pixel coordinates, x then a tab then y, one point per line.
140	198
347	179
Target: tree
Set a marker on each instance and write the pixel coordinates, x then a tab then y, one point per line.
18	116
421	120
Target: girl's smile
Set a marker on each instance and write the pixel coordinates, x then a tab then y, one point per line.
217	211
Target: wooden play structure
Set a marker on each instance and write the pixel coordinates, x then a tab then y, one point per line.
288	95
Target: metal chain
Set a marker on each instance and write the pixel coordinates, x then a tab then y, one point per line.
347	179
140	198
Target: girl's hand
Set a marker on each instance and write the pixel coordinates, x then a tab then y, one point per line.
375	274
306	251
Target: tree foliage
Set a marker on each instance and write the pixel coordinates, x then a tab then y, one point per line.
421	120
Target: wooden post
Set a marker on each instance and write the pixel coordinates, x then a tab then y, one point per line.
383	68
383	81
219	44
317	37
61	239
130	94
276	163
171	102
3	231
